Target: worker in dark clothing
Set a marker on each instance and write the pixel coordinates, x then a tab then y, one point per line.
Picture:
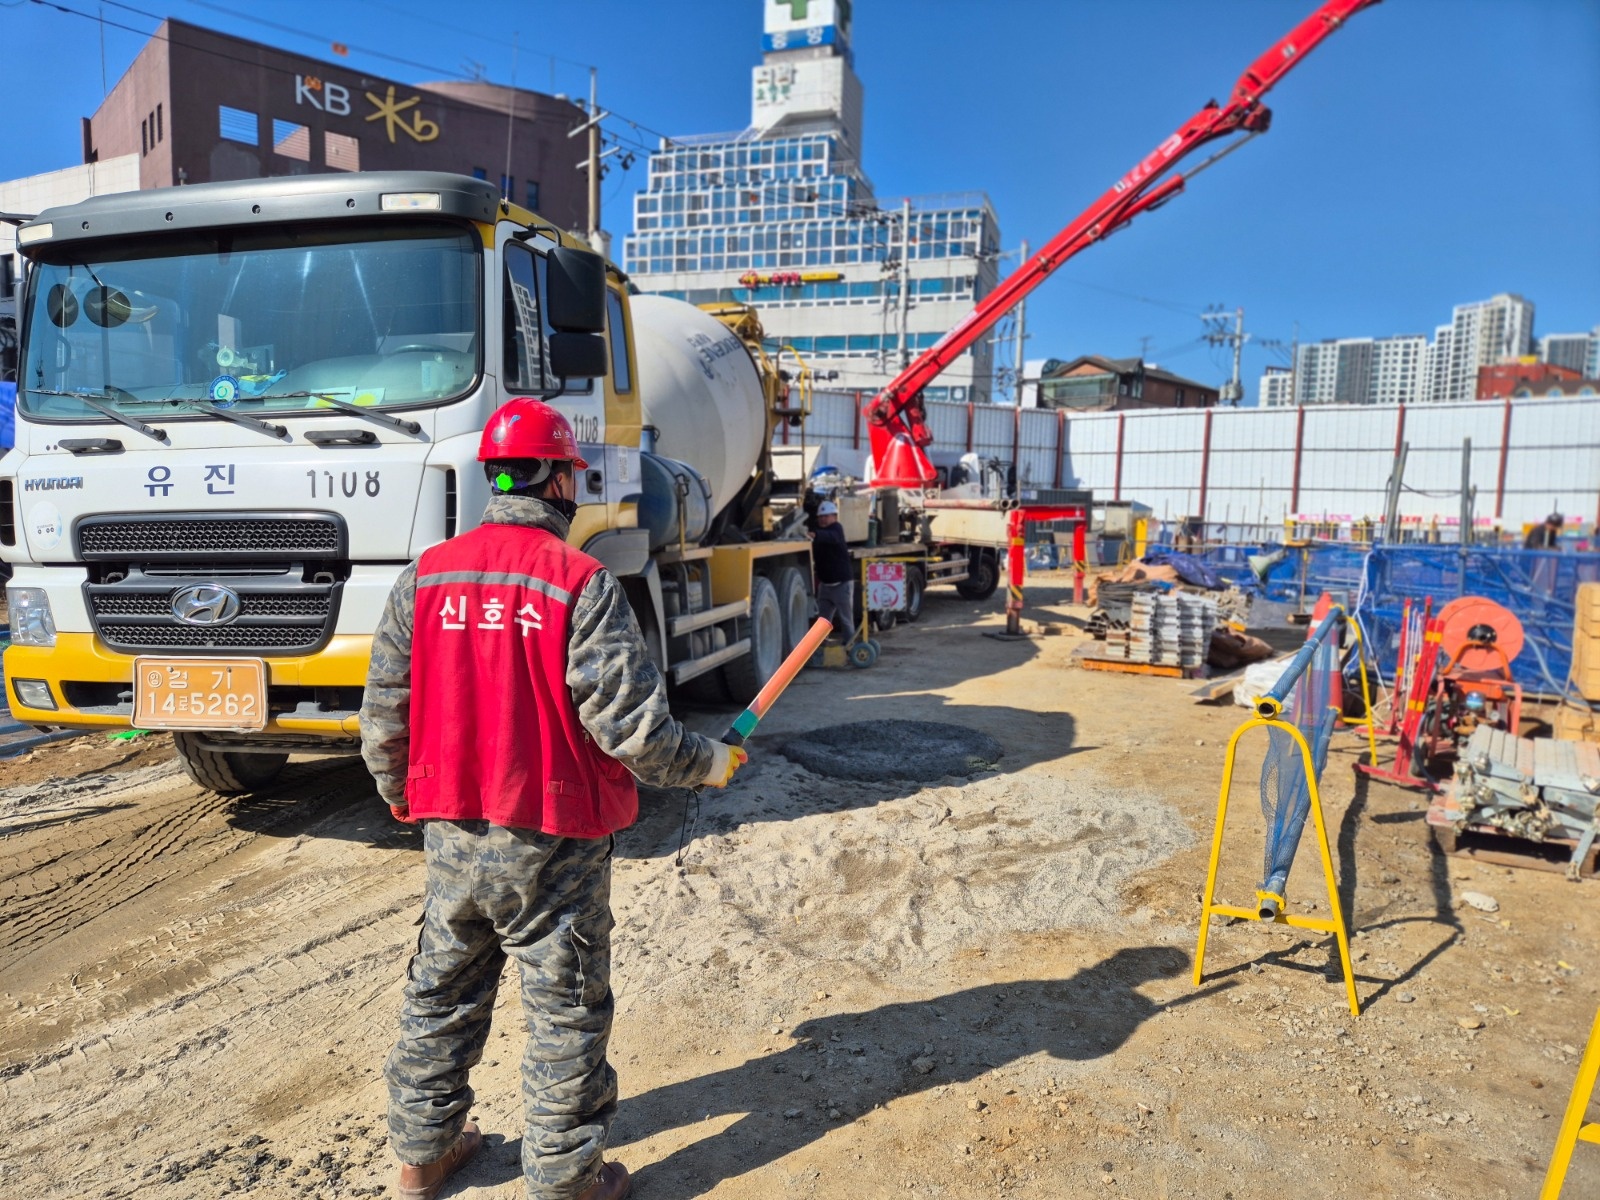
1546	536
836	576
510	706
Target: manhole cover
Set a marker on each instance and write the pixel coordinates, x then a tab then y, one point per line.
879	750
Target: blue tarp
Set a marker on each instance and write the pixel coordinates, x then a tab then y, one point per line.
8	415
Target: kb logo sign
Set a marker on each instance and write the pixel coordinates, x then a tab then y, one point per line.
334	99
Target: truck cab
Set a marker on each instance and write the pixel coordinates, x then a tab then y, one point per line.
243	407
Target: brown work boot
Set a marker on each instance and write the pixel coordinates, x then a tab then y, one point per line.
613	1184
425	1182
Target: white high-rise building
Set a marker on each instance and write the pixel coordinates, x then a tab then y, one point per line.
1435	372
1277	388
1488	331
1397	369
1570	350
1360	370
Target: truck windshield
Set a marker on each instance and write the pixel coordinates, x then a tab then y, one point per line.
386	314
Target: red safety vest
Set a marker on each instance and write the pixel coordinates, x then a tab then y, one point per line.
494	732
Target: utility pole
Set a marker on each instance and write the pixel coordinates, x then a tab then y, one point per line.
1218	334
592	164
1022	326
1294	367
905	283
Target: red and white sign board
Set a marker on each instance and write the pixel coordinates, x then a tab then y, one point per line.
886	587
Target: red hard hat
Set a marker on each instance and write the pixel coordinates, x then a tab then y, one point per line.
528	428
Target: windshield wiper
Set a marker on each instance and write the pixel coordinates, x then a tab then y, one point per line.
100	402
356	410
227	414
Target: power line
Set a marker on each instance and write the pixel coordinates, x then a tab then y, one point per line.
437	98
457	28
307	35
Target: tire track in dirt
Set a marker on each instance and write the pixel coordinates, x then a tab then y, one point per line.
106	860
252	980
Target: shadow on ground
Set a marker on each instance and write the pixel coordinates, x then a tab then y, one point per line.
853	1062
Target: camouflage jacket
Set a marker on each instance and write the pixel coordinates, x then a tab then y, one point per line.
618	692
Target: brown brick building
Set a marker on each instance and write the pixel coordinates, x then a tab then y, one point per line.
199	106
1530	378
1090	383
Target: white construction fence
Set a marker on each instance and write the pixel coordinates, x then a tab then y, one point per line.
1253	467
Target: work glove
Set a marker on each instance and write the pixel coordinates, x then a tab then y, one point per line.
725	760
401	813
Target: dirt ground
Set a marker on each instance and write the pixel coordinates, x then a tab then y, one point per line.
970	987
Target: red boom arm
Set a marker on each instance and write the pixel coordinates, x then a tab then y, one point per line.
897	419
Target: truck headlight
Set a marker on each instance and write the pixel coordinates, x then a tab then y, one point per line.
32	623
34	693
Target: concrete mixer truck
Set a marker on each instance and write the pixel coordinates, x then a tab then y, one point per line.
242	407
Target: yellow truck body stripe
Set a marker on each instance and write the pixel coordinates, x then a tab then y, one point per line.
80	658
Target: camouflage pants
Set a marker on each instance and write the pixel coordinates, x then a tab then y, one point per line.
546	902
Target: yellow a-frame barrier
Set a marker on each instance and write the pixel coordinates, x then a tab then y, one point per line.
1272	907
1573	1129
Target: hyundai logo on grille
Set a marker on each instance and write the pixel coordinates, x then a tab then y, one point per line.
205	604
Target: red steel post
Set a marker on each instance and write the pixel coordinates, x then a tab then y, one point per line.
1080	556
1017	564
1299	450
1505	449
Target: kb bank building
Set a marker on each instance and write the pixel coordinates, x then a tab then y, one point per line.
197	106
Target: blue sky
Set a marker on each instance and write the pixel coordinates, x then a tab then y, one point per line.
1430	153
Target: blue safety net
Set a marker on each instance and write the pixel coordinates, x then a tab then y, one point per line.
1539	587
1309	690
1374	581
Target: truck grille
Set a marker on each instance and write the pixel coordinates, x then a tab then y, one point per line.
264	638
109	605
280	614
166	536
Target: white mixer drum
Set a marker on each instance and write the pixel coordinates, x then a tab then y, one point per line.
700	390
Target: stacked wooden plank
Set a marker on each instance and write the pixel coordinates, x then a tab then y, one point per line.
1579	720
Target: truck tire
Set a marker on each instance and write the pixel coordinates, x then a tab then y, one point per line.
794	599
916	585
225	772
744	676
983	575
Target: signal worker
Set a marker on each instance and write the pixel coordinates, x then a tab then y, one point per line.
510	705
836	582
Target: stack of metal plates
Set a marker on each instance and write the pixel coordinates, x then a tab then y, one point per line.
1171	630
1533	788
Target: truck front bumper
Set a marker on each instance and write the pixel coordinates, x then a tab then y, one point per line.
318	695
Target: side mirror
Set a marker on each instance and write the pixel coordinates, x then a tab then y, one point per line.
577	355
575	292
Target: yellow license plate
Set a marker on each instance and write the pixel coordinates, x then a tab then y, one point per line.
200	693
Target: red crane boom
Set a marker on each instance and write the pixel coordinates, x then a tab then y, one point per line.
896	418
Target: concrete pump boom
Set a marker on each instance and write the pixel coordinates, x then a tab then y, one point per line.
897	420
